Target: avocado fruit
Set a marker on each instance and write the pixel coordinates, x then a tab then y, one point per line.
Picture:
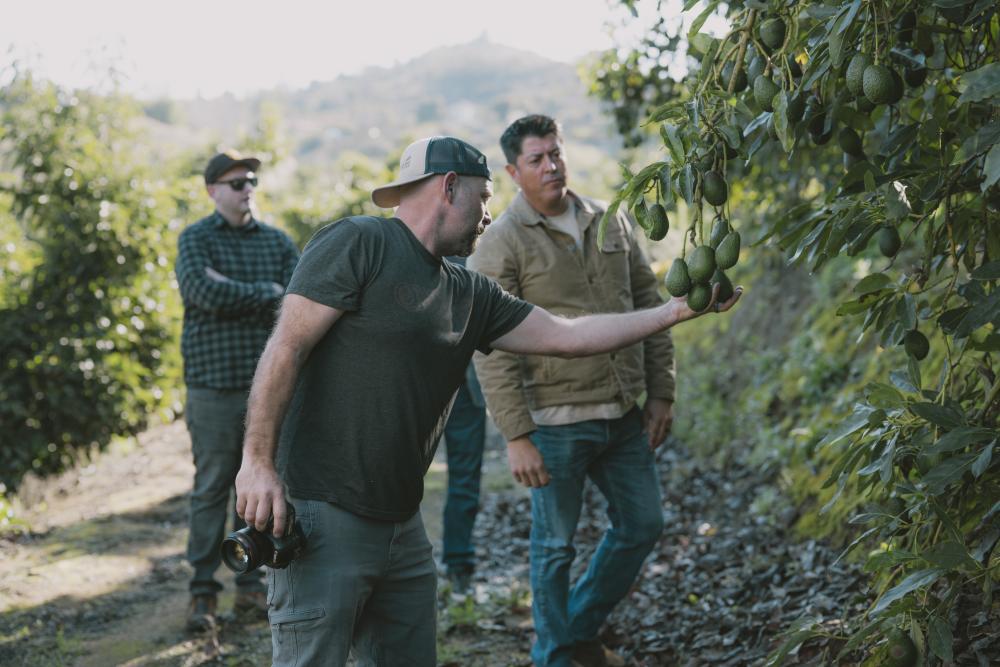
678	282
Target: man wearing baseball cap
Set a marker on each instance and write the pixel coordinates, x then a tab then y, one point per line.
353	390
232	270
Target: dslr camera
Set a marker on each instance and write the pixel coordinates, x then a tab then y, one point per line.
248	548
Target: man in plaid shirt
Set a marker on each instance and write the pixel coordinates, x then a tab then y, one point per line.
232	270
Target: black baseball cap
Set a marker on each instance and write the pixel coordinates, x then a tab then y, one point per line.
430	156
223	162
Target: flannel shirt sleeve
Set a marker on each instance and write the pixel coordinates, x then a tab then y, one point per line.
229	297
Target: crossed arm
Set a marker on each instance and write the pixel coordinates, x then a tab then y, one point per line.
302	323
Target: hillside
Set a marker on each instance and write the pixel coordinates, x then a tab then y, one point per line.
472	90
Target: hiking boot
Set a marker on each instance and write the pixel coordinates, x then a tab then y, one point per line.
251	604
460	579
201	613
595	654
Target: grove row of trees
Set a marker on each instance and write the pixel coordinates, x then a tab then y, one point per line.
863	136
90	210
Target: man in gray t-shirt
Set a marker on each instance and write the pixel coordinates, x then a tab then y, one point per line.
355	384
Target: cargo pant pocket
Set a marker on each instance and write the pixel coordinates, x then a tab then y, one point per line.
295	634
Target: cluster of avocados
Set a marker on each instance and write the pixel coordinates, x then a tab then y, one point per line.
705	267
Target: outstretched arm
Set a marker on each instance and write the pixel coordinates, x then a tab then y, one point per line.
301	324
544	333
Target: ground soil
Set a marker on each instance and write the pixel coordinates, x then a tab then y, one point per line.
99	577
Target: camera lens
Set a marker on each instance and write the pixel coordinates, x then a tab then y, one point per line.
245	550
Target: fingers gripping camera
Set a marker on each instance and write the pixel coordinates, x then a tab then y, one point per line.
248	548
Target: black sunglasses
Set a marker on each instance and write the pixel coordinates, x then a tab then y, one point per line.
240	183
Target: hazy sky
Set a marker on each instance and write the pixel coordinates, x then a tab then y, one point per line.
183	48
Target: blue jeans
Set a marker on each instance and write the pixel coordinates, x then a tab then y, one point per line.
215	421
464	435
615	455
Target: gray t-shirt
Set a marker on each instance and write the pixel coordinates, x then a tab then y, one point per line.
374	394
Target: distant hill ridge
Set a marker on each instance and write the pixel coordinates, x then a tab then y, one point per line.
471	90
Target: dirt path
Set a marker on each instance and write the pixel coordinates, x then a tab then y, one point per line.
101	578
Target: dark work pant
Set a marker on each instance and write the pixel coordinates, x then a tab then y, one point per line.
463	436
215	421
362	585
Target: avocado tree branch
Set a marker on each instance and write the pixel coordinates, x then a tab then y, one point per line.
741	55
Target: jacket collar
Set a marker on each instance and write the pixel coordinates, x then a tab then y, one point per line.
523	212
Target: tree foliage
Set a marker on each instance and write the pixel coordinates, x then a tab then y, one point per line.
87	313
866	132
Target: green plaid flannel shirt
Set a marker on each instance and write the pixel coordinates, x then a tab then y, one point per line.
226	323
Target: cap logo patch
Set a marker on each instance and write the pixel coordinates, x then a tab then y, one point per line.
406	162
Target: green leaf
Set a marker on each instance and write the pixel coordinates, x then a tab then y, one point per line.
901	381
854	307
883	396
980	142
906	310
985	544
854	423
946	473
609	214
702	42
858	638
950	319
873	283
836	42
862	171
981	84
838	32
992	511
731	135
913	367
938	414
988	271
960	438
940	638
673	142
991	168
759	121
918	579
949	555
885	472
982	312
910	57
869	180
895	207
794	638
983	460
687	181
701	18
781	121
820	12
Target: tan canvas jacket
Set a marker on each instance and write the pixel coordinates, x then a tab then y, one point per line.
542	265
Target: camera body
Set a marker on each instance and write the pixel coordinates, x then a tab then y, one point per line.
248	548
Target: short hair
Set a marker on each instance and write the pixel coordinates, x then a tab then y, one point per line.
535	125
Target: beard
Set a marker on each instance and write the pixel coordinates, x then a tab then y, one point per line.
467	244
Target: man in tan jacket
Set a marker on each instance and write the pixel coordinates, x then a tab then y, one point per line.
569	419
